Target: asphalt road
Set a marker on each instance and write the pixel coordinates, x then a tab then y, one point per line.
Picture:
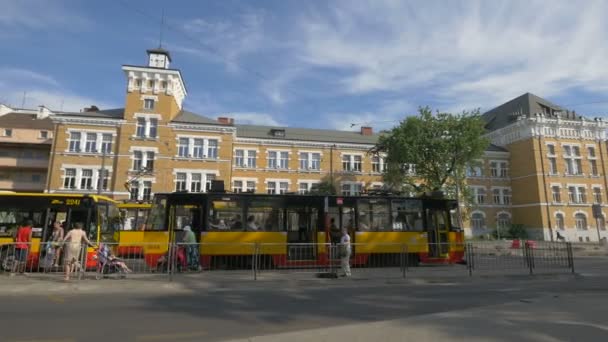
232	312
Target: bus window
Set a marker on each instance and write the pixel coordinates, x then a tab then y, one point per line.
407	215
226	214
11	219
158	214
264	215
373	215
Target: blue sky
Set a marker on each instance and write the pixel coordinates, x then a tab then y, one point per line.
311	63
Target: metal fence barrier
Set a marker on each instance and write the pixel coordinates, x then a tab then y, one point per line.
267	260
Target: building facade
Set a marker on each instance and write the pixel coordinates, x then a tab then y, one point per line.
557	167
544	170
25	144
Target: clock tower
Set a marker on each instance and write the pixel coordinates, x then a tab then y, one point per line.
158	58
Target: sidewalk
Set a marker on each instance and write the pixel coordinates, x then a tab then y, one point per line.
45	284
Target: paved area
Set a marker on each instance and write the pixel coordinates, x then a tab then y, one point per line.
298	307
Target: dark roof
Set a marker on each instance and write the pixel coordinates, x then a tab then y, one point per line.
308	134
185	116
525	105
494	148
18	120
160	50
116	113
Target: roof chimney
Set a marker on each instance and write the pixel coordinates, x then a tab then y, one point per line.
93	108
43	112
225	121
366	130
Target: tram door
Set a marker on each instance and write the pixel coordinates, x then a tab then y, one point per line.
437	229
302	226
341	216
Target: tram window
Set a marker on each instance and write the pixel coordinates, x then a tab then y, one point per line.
226	215
301	218
264	215
187	215
373	215
348	218
407	215
129	219
157	216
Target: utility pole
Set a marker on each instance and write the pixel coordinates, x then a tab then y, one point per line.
331	165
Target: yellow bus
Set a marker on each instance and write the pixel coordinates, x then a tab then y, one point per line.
98	214
131	234
293	229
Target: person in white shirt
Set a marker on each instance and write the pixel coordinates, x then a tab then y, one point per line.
345	251
251	226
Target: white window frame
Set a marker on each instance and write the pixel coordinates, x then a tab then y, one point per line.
577	224
475	223
78	177
149	104
249	155
352	188
309	163
150	123
244	184
206	175
308	183
277	185
189	148
351	162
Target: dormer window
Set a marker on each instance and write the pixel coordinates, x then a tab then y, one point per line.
277	133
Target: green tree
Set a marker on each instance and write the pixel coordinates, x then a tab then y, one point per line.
324	187
440	146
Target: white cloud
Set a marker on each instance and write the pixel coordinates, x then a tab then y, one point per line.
253	118
41	89
54	100
24	75
464	53
388	115
38	14
224	41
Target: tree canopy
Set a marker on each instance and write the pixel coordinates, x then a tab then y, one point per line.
439	146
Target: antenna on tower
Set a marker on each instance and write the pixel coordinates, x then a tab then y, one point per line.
162	23
23	99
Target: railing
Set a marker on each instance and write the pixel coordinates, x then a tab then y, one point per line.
275	260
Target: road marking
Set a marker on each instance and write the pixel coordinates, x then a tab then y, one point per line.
48	340
168	337
56	299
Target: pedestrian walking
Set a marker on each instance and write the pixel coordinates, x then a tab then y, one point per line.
23	239
345	251
56	242
192	252
73	248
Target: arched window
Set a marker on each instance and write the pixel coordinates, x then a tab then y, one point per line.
503	221
559	221
478	221
581	221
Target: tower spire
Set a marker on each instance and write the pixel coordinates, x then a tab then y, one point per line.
162	24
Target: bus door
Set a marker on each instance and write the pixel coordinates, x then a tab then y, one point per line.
437	229
185	213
